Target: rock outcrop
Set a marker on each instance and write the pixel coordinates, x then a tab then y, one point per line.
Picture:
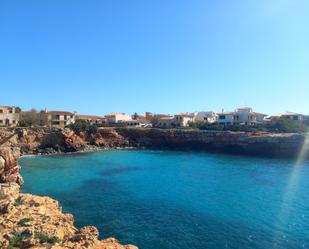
29	221
249	143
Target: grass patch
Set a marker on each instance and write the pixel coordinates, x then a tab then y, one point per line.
18	202
24	221
45	238
37	204
17	239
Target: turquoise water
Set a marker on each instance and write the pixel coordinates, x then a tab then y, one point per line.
161	199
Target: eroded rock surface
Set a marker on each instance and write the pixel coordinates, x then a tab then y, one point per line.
29	221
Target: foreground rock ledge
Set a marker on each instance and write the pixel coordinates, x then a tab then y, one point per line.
30	221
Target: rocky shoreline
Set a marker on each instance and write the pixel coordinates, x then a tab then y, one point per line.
29	221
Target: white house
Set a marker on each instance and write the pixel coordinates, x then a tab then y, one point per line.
226	118
244	116
117	117
8	116
206	117
138	123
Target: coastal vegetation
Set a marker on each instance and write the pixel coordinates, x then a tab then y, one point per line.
45	238
83	126
281	125
24	221
18	202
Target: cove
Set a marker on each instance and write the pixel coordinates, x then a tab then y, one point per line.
175	199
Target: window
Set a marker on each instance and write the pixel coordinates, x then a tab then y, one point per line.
1	121
1	111
222	117
57	117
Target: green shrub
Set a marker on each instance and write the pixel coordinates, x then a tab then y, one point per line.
18	202
17	239
2	197
83	126
45	238
24	221
37	204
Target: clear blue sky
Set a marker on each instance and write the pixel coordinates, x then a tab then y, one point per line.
155	55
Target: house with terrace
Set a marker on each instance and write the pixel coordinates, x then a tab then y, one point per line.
242	116
184	119
59	118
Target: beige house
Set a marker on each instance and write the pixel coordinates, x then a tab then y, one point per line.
293	116
91	119
59	118
165	121
117	117
206	117
9	116
183	119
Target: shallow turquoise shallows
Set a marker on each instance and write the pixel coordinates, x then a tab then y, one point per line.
183	200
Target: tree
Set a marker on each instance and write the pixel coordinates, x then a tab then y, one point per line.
135	116
30	118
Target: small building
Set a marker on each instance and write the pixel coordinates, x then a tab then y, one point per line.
92	119
138	123
166	121
9	116
206	117
226	118
183	119
59	118
117	117
293	116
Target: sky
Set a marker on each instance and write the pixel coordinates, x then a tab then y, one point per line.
163	56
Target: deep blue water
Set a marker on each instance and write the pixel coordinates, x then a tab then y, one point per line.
161	199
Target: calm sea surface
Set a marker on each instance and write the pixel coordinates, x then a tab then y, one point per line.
161	199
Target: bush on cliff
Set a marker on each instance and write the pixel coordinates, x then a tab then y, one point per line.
45	238
83	126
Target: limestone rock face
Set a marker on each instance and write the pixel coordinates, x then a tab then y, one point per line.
9	168
29	221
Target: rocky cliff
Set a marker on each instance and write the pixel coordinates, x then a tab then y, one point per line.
261	143
29	221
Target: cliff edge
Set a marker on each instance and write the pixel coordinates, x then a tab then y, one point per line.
30	221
